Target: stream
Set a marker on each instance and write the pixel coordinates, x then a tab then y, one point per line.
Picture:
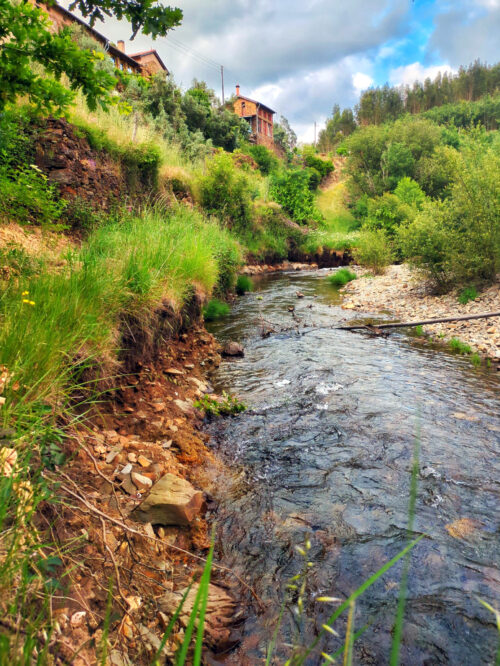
325	451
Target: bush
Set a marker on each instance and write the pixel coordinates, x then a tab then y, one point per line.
387	212
341	277
457	241
467	294
215	309
409	192
265	158
425	243
323	167
226	192
26	196
314	178
373	250
291	191
243	284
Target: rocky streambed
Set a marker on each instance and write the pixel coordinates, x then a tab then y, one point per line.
324	454
402	294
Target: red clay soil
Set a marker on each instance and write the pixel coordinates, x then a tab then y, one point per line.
100	545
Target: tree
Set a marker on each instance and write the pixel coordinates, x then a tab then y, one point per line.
151	20
284	136
33	58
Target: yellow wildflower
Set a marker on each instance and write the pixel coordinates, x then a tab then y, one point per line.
25	293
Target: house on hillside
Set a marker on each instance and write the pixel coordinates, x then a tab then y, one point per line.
259	117
145	63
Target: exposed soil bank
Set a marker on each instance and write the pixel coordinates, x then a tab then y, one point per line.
148	429
405	295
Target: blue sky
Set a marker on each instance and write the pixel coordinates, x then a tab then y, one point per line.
300	57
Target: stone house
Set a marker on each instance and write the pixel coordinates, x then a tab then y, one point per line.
145	63
259	117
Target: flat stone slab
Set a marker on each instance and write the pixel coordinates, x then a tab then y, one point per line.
171	501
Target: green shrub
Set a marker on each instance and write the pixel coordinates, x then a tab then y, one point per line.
373	250
467	294
265	158
457	241
323	167
419	330
341	277
387	212
459	347
26	196
291	190
409	192
215	309
226	192
226	406
79	214
314	178
243	284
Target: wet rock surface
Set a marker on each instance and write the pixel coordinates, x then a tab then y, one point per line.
324	452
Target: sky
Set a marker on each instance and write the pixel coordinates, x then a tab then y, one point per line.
300	57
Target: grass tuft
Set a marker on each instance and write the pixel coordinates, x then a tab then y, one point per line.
341	277
468	294
243	284
459	347
215	309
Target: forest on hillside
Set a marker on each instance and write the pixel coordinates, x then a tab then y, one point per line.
466	98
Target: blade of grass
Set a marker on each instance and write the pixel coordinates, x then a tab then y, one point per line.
349	635
202	590
358	592
497	618
330	658
204	585
170	626
272	644
403	588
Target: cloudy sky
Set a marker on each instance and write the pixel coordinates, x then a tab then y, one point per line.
300	57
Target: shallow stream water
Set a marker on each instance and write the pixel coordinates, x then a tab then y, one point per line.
325	451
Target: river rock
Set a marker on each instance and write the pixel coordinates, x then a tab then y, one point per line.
172	501
220	615
233	349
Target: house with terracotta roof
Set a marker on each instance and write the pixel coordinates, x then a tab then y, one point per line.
259	117
145	63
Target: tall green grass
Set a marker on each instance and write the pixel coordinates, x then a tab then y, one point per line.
60	333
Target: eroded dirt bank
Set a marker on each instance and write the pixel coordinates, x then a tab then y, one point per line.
405	295
147	432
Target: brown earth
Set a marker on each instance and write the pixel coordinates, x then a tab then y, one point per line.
149	422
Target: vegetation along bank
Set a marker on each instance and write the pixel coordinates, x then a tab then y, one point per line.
128	207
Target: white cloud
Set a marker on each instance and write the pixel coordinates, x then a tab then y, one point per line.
408	74
467	30
361	81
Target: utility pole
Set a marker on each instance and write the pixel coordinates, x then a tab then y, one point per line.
222	79
315	134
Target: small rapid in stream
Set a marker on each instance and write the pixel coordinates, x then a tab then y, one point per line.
325	451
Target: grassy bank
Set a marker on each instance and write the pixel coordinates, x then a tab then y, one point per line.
65	327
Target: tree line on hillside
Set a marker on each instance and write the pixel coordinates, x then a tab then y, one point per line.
470	96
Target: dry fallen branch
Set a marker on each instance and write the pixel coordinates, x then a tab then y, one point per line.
441	320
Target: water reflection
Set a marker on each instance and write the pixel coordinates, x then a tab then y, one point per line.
325	450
